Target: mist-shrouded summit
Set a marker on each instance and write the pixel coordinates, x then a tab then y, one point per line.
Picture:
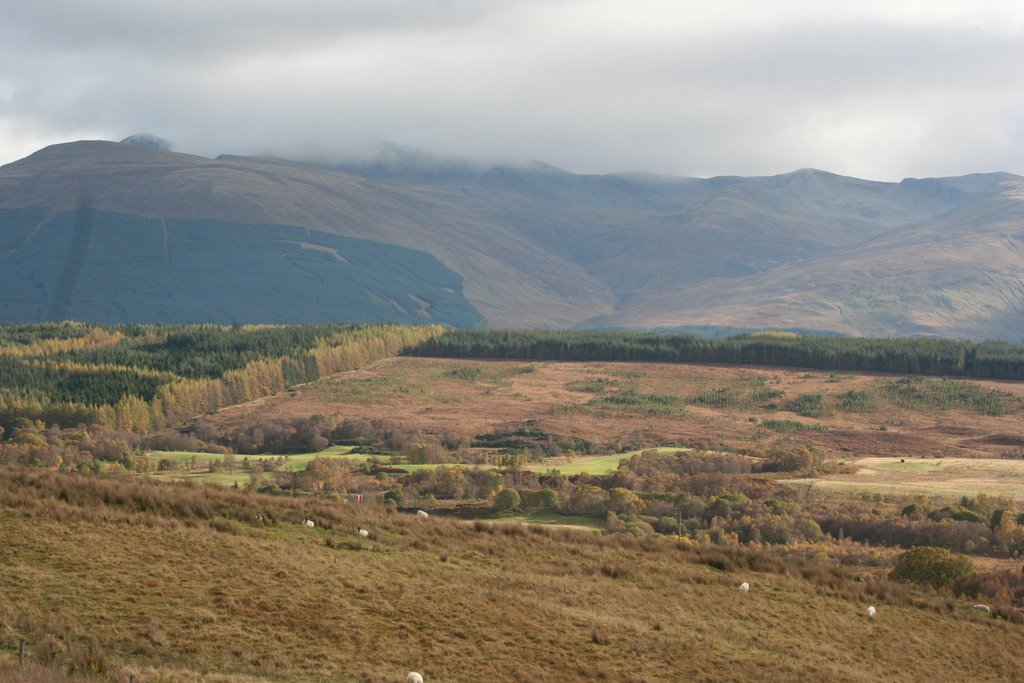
148	141
408	236
868	88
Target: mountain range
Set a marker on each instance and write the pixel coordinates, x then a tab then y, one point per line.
116	232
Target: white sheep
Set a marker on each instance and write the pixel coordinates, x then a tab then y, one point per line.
363	532
413	677
422	514
984	608
308	522
871	611
744	587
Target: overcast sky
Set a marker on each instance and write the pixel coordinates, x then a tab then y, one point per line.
880	89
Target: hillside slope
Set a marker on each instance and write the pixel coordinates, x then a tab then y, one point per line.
504	275
538	246
958	275
109	268
185	583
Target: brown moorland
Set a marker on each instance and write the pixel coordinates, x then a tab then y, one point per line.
858	414
173	582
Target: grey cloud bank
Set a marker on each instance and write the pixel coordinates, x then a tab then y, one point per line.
871	89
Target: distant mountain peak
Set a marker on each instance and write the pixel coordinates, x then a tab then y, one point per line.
148	141
541	167
812	173
519	244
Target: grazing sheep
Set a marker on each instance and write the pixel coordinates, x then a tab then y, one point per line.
744	587
363	532
421	514
984	608
308	522
871	611
413	677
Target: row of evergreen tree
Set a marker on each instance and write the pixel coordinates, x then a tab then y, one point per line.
142	377
922	356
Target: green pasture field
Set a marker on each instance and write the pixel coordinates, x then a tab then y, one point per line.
597	464
239	476
601	464
295	463
553	519
416	467
293	458
935	477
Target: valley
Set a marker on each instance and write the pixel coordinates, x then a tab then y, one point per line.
511	342
243	504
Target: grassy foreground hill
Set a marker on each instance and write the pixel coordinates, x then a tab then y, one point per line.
119	576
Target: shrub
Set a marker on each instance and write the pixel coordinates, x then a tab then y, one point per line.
811	531
791	426
542	499
810	405
856	402
468	373
667	525
935	566
506	499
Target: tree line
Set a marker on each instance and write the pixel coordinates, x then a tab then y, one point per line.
918	356
143	377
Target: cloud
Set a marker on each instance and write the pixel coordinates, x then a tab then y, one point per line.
876	89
